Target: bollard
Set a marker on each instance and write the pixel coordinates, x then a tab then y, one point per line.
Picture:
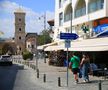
30	66
59	82
34	67
44	60
37	73
100	85
44	78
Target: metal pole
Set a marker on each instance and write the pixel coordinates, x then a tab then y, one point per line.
71	20
44	35
67	67
100	85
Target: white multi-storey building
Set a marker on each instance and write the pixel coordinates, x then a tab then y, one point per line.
87	18
73	15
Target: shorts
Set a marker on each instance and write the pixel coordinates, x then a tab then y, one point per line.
75	70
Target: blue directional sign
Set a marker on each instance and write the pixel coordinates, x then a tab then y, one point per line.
71	36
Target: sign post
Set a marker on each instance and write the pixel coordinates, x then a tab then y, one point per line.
68	37
67	45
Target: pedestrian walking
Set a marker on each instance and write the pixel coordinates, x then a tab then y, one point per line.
85	67
74	66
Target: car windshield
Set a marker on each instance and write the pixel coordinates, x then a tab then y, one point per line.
5	58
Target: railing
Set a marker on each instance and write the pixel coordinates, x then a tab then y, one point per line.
24	62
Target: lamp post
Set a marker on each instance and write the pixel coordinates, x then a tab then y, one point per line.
71	18
44	22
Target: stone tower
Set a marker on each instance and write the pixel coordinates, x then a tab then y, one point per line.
20	30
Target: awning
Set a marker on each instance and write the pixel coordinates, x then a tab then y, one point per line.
97	44
46	45
90	48
100	28
54	48
102	34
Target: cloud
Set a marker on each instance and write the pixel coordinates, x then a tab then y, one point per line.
33	24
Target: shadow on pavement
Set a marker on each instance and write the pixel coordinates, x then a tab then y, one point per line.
8	76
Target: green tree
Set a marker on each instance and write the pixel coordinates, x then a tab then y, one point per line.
7	49
44	37
27	55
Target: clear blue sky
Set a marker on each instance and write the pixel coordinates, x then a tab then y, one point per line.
37	5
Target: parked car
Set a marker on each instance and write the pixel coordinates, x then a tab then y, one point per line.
5	60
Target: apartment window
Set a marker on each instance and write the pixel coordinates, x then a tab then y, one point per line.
60	19
80	9
80	12
68	13
60	3
67	17
95	5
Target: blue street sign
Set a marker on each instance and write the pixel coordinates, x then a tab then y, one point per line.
71	36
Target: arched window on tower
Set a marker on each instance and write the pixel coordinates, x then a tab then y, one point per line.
19	19
19	38
20	29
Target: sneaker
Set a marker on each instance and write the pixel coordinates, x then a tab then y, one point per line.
84	81
76	81
87	80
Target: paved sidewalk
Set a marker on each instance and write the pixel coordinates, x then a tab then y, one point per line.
53	72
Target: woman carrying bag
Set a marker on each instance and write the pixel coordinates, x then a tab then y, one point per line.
85	67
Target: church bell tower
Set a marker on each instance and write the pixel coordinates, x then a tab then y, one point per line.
20	30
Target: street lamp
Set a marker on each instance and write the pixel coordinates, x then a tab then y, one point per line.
71	16
44	22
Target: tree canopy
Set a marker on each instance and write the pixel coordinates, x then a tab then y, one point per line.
44	37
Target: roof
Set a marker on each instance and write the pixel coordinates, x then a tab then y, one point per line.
31	34
19	10
46	45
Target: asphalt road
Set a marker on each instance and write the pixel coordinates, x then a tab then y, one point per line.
17	77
